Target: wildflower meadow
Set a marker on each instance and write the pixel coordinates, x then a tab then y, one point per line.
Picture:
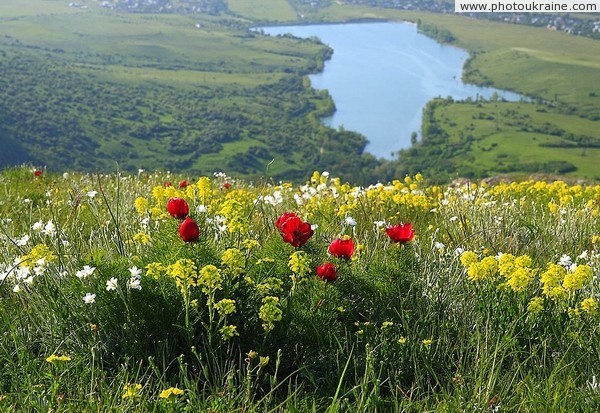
165	293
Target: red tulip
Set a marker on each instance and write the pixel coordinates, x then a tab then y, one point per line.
178	208
342	247
327	272
183	184
188	230
37	172
402	233
226	185
167	184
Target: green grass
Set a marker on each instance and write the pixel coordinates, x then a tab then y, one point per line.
264	10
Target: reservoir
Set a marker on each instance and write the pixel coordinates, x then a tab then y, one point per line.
381	76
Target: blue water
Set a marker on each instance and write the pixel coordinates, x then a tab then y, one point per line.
381	76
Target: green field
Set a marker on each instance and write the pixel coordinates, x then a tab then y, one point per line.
264	10
503	137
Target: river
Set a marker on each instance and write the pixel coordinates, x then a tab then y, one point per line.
381	76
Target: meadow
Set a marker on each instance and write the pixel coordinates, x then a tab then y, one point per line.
171	293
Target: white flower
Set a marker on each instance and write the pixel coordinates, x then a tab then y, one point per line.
593	384
454	218
86	272
49	229
565	261
458	251
325	174
27	201
111	284
91	194
380	224
583	255
65	175
21	242
314	227
135	272
134	283
89	298
22	272
438	245
28	280
16	288
201	209
38	226
444	201
350	221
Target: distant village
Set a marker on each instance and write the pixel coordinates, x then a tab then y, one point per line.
584	25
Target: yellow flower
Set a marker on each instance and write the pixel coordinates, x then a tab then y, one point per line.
536	305
576	280
57	360
263	361
184	273
386	325
141	206
270	312
210	279
141	238
427	342
402	340
520	278
234	260
228	332
468	258
299	263
225	307
132	391
483	270
590	306
171	393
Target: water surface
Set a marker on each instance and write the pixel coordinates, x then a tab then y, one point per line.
381	76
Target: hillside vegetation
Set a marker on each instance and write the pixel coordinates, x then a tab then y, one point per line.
100	90
200	92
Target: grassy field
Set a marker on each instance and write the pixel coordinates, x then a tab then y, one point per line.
486	298
264	10
516	133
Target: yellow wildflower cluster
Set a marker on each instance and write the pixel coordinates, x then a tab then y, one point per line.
557	282
516	270
557	194
171	393
235	208
590	306
225	307
486	269
234	260
185	274
141	206
57	360
270	312
228	332
132	391
38	253
299	263
210	279
270	286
